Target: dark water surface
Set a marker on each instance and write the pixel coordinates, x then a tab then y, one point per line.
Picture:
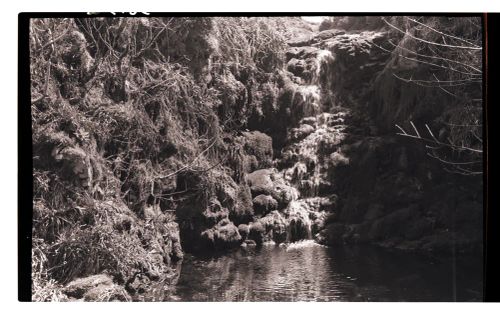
309	272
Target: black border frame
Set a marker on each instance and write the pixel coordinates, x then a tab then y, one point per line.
491	26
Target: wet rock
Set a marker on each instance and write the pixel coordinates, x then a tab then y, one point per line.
329	203
338	159
257	232
263	204
96	288
203	219
296	66
327	34
284	194
276	227
302	40
258	148
261	182
302	52
299	222
222	236
318	223
249	243
298	229
244	230
270	182
312	121
237	199
215	212
301	132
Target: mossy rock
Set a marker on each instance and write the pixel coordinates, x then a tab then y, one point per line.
96	288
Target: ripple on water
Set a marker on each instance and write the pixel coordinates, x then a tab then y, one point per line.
306	271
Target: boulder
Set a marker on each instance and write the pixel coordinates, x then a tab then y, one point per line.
257	232
224	235
270	182
302	40
302	52
249	243
258	149
244	230
215	212
96	288
261	182
296	66
263	204
301	132
327	34
203	220
275	226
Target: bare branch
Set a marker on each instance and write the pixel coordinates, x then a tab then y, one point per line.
429	42
450	144
442	33
430	132
452	163
403	131
428	63
187	165
415	128
436	57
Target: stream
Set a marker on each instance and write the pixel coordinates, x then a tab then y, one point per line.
306	271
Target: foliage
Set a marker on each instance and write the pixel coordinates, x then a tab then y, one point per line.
123	111
440	54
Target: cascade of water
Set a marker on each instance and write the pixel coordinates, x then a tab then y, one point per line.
308	173
323	58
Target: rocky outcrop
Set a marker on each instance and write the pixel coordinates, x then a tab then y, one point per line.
210	221
424	206
387	190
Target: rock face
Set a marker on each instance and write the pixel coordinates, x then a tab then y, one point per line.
386	191
422	209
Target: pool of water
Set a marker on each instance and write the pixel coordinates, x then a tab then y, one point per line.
306	271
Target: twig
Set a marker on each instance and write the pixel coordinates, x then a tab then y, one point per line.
449	144
187	165
436	57
429	42
442	33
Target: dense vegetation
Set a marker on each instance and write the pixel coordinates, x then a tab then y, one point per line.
132	117
156	136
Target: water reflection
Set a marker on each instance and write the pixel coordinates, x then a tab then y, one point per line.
311	272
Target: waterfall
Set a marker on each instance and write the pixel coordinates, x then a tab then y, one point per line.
306	159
